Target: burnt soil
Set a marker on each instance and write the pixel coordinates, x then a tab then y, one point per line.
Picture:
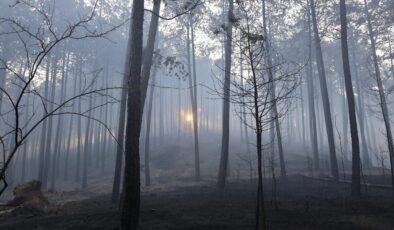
300	203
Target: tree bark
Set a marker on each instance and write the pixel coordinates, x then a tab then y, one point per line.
130	206
355	187
226	100
311	100
325	97
149	50
121	126
382	96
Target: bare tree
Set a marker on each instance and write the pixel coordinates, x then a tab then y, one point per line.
37	45
254	92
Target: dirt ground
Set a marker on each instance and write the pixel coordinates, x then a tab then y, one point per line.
301	203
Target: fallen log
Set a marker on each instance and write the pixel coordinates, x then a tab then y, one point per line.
29	193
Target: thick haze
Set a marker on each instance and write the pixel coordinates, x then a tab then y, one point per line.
76	66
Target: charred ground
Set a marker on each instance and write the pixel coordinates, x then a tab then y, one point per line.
301	203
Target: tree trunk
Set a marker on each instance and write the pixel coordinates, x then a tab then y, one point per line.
149	50
303	117
275	116
345	116
79	125
311	100
130	206
193	95
70	134
366	161
382	96
3	72
391	58
355	188
56	153
148	125
195	109
48	148
121	126
226	100
87	146
44	125
325	97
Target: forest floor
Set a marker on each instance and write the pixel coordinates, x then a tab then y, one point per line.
301	203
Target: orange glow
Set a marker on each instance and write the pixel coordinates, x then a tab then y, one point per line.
188	117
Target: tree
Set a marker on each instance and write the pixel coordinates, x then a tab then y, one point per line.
382	96
275	118
324	92
311	98
226	98
191	66
130	203
121	127
356	188
37	47
254	92
146	71
136	88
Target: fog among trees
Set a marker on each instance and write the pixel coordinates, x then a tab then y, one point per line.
196	114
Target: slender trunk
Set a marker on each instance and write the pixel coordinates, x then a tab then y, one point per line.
226	100
149	50
87	146
121	127
260	209
193	95
70	134
195	109
3	72
44	126
311	100
366	161
345	115
79	125
48	148
25	147
356	187
275	116
382	96
56	152
148	125
104	132
303	117
325	97
391	59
